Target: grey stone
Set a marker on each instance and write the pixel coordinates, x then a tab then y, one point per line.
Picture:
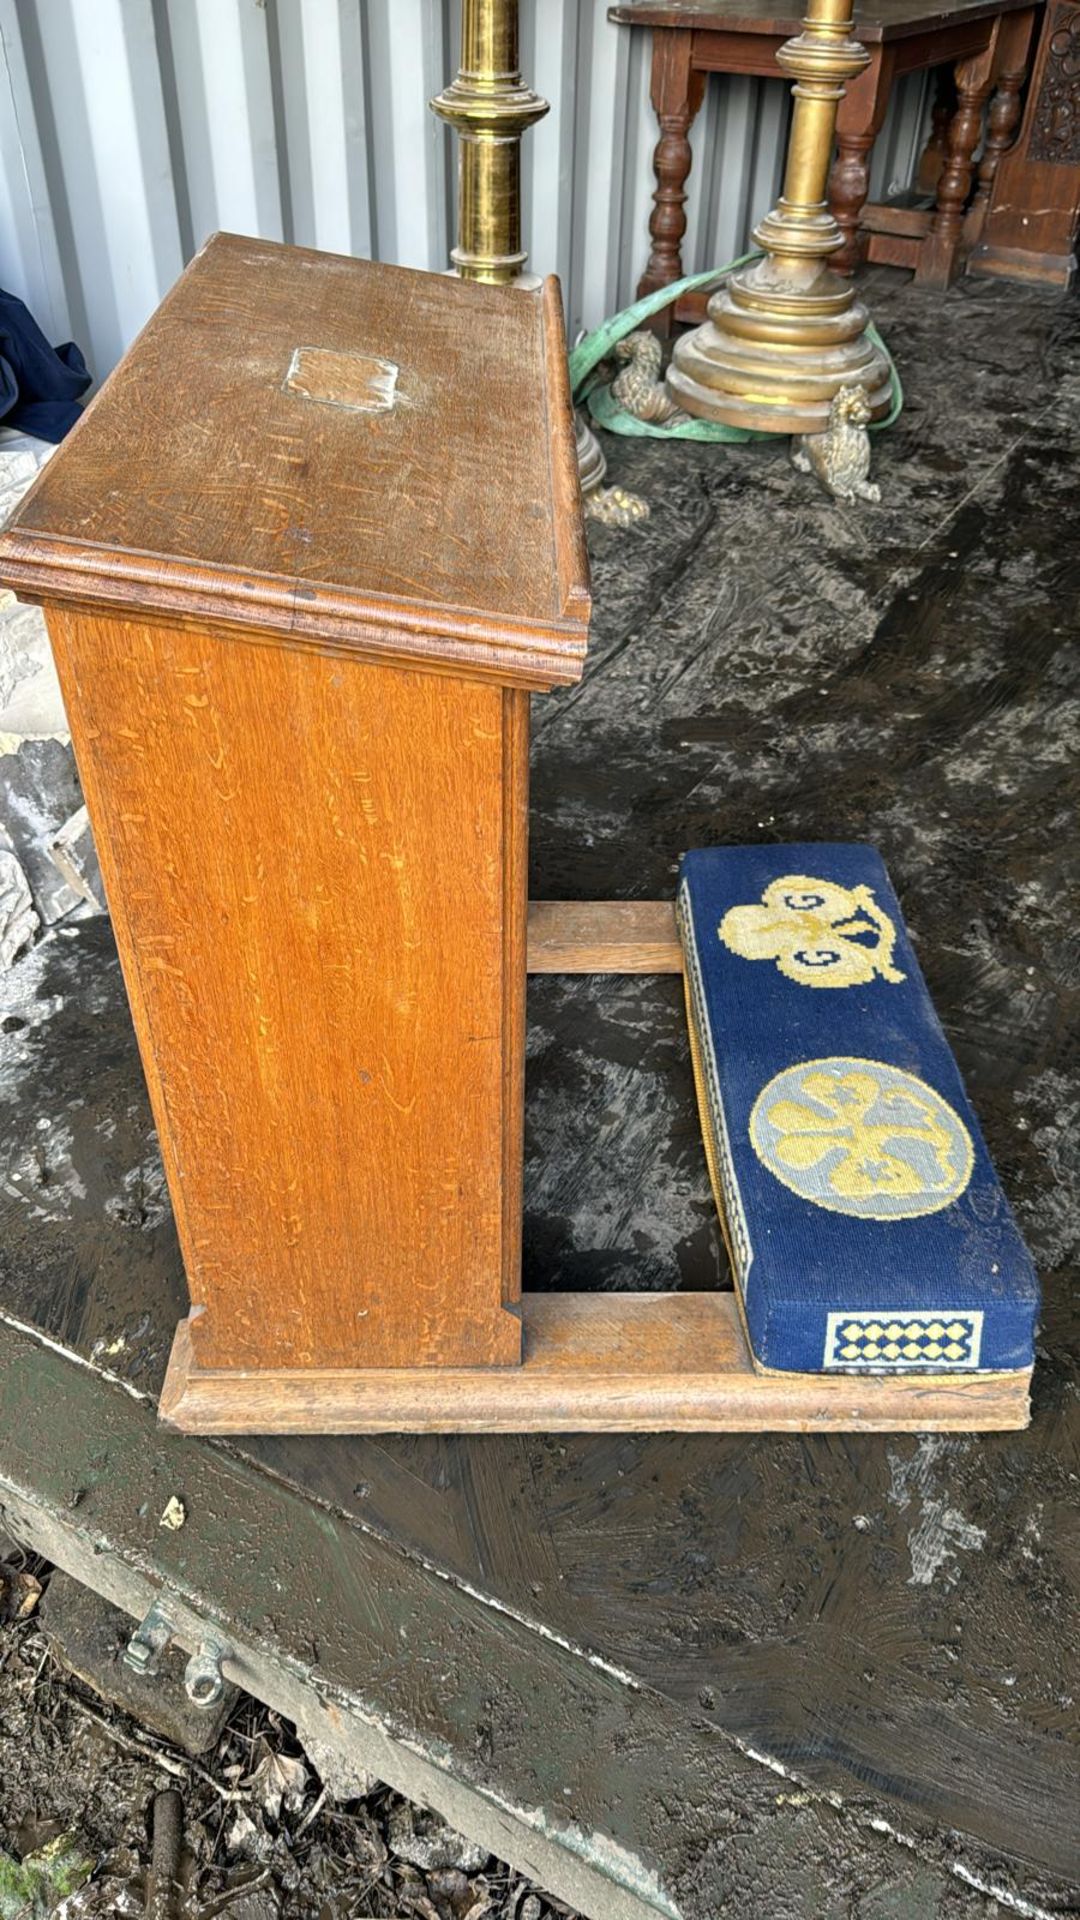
74	855
342	1777
424	1840
31	704
89	1636
39	791
18	921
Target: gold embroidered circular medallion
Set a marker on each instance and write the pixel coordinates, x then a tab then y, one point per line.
862	1137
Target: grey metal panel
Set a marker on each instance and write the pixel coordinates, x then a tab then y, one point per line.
131	129
29	253
903	137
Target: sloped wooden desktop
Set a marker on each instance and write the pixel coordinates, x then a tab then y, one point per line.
304	561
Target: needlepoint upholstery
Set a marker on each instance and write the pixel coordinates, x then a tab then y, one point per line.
867	1228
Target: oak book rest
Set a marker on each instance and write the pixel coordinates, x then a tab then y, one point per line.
304	561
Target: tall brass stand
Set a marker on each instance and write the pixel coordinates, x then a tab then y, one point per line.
489	108
785	336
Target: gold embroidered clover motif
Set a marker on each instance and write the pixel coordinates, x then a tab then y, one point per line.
862	1137
819	934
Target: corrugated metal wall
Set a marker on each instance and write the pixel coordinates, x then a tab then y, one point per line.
131	129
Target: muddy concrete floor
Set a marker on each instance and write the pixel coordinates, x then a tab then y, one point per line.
265	1834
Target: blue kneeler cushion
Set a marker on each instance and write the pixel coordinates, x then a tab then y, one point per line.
867	1228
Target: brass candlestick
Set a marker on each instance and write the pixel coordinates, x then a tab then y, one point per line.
489	107
785	336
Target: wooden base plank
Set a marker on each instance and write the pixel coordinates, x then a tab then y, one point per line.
603	936
1016	263
594	1363
892	250
896	217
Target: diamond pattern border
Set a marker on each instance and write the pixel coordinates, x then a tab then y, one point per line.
939	1339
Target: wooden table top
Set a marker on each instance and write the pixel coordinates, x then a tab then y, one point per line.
878	21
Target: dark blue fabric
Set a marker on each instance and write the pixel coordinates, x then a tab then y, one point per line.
854	1195
40	385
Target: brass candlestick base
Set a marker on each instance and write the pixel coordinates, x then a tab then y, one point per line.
775	351
612	506
785	335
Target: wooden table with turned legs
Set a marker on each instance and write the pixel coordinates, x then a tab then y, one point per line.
983	44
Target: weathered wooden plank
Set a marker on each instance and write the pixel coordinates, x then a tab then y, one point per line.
279	1578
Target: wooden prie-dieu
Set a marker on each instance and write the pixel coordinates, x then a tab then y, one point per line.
304	561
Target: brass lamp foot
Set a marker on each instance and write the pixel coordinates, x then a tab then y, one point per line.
841	455
776	349
611	506
785	335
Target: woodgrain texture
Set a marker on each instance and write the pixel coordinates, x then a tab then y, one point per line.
203	484
603	936
859	119
594	1363
937	256
988	60
315	853
1003	114
676	92
315	868
881	20
1029	225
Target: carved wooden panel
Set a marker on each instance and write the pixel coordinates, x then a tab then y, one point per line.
1055	133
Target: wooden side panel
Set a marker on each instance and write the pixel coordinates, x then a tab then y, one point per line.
309	862
515	771
1034	215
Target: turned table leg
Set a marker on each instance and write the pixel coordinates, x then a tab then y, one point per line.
938	253
1003	114
677	93
858	123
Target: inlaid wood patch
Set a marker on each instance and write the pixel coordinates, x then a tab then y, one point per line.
339	378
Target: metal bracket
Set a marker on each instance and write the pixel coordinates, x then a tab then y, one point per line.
150	1640
204	1682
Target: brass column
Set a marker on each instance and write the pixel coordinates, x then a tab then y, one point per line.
489	108
785	335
